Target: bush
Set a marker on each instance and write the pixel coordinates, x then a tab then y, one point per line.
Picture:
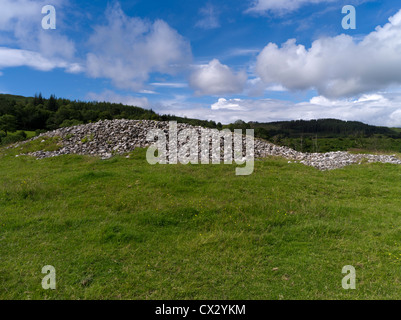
19	136
8	123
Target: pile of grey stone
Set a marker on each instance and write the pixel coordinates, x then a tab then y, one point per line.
110	137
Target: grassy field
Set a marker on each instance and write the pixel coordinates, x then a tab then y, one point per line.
123	229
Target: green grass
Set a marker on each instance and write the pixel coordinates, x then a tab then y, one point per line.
44	144
123	229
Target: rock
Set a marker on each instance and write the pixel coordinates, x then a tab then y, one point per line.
108	137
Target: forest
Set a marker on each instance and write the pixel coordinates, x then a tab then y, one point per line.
20	114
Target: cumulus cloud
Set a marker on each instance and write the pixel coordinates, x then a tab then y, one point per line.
127	49
224	104
280	6
336	66
111	96
216	78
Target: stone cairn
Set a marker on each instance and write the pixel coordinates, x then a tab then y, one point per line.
110	137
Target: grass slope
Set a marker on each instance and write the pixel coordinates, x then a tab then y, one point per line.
123	229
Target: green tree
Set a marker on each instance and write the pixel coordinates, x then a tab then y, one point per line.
8	123
52	104
38	99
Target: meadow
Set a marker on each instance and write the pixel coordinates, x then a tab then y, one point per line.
123	229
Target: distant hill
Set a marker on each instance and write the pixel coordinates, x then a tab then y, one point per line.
324	135
328	128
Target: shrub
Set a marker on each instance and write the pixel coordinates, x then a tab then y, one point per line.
19	136
22	134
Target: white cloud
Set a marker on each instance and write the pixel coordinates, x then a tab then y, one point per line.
210	17
23	42
20	21
232	104
255	87
18	58
276	88
238	52
378	109
53	44
216	78
110	96
336	66
170	84
14	11
382	109
126	50
280	6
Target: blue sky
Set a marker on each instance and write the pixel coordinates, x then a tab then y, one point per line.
256	60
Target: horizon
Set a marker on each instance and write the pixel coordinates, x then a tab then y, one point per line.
279	121
257	60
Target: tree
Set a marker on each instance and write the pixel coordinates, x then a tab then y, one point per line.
8	123
37	99
52	104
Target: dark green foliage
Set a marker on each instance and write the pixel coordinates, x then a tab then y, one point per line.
19	136
328	128
38	99
325	135
52	103
239	124
38	113
8	123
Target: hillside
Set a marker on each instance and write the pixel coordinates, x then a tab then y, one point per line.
325	135
326	128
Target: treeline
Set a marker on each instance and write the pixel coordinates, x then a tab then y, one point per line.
327	128
325	135
38	113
